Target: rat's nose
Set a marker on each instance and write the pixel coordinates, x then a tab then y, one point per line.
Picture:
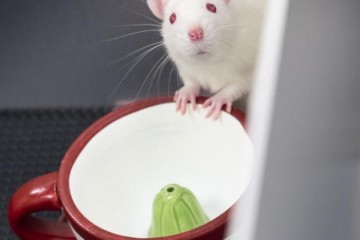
196	34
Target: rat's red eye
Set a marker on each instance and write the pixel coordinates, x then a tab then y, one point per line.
211	7
172	18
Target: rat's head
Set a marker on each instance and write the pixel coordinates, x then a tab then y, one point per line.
195	28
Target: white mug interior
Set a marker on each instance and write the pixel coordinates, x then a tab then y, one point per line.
116	176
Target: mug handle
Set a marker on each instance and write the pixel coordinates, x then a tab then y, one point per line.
38	194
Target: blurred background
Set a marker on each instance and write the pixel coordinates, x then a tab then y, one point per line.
68	53
312	176
60	70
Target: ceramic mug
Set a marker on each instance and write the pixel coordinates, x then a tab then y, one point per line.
110	175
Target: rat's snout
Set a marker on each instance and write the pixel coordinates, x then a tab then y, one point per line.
196	34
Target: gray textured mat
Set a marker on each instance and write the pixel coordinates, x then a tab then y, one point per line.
32	142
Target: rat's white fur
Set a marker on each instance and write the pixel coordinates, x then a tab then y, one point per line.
230	43
223	61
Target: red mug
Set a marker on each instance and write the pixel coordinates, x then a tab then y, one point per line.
109	176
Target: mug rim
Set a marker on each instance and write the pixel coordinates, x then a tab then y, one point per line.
83	226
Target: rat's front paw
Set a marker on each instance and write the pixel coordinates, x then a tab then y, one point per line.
215	104
185	95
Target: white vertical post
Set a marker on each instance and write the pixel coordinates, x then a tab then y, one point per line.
260	116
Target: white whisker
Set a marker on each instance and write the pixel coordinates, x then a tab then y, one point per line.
178	80
162	70
136	25
147	77
137	60
130	34
172	69
160	43
142	15
158	73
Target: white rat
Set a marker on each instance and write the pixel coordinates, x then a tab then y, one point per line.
213	44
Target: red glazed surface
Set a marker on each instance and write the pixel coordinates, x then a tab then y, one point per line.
38	194
22	224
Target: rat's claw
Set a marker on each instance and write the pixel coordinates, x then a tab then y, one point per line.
176	96
193	101
215	105
181	102
183	96
214	111
183	105
207	103
228	106
210	110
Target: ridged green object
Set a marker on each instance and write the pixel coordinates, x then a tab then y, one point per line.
175	210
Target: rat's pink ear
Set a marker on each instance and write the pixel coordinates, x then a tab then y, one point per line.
157	7
226	1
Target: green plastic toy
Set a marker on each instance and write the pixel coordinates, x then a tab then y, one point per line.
175	210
